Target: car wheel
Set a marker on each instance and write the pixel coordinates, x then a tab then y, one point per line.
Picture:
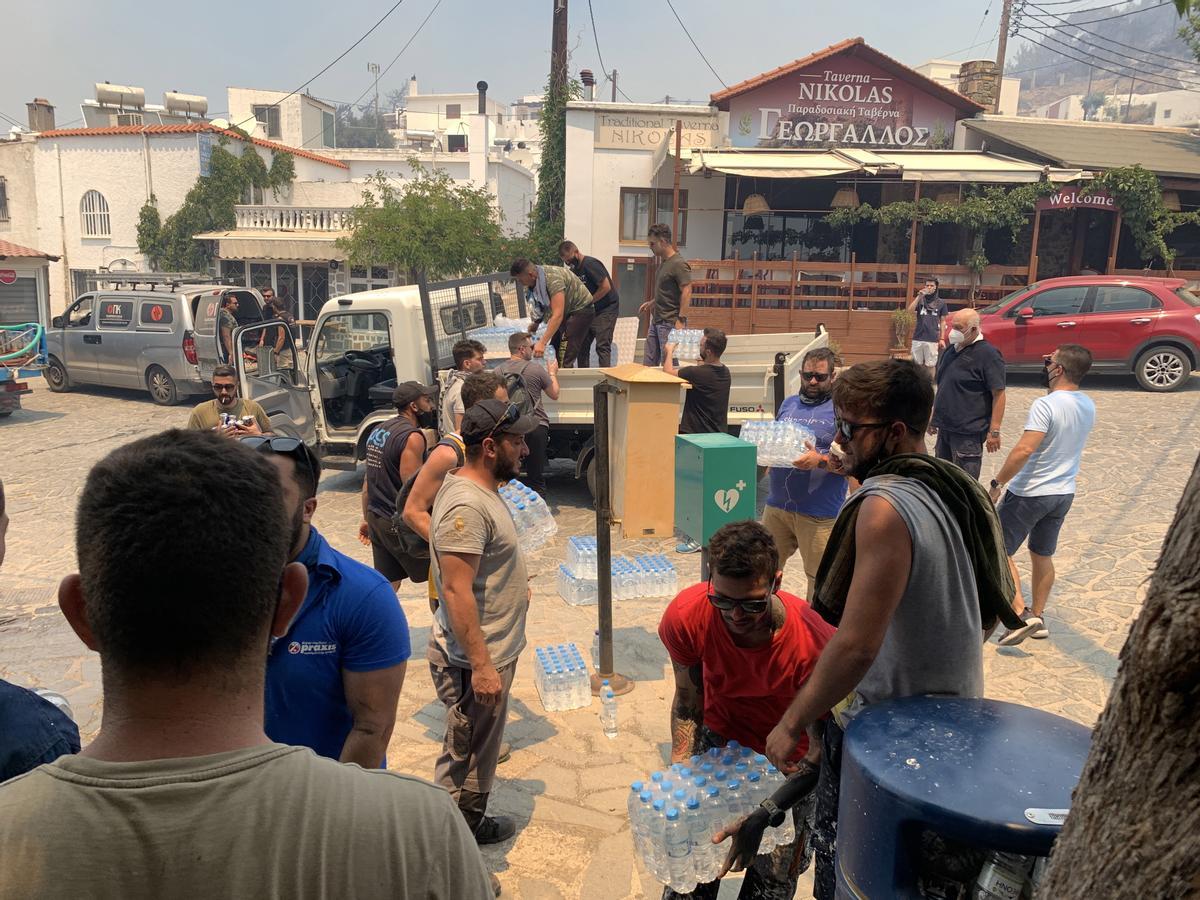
161	386
1162	369
56	376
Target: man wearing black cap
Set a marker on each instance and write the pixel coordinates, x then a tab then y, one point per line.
395	450
479	627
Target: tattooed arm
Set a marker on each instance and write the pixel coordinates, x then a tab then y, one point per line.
687	710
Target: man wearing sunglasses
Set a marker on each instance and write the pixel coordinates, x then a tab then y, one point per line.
334	677
479	627
246	416
806	497
741	648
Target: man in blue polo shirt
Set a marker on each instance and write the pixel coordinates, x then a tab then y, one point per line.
806	498
333	681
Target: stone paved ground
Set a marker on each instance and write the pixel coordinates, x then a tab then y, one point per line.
566	782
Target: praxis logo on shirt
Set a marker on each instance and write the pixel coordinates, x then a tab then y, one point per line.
312	648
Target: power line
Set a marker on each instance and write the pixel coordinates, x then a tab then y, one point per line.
1118	15
1121	63
987	9
1095	65
14	121
972	47
600	56
694	44
1191	63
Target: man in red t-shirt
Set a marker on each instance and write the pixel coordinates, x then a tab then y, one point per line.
741	648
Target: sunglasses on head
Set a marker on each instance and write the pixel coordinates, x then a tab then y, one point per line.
750	607
510	416
818	377
285	446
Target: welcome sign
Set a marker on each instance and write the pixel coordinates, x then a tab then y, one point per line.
841	101
1071	198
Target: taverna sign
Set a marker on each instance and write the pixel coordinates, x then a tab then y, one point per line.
1073	199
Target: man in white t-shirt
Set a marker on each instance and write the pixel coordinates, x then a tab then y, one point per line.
1039	475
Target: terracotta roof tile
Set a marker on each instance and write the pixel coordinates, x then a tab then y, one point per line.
859	47
188	128
14	250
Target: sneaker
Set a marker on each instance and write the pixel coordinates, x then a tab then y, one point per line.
1014	636
506	750
1042	632
494	830
688	546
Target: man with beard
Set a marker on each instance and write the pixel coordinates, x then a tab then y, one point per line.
914	577
479	627
805	499
244	416
334	678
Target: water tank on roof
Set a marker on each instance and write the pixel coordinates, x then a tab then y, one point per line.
185	104
120	95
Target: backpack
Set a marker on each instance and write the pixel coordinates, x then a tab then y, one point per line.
518	390
413	550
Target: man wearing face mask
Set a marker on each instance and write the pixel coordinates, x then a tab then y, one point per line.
1039	475
806	497
969	408
914	577
334	677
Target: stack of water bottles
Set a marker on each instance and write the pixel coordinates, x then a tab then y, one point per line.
779	442
562	678
495	337
535	523
651	575
674	814
687	343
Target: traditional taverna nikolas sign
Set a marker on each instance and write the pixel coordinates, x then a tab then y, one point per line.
848	95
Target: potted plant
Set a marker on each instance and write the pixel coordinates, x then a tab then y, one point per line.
902	323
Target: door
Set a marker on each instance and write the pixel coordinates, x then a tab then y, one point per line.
634	280
206	316
116	343
273	378
1057	313
1120	318
79	340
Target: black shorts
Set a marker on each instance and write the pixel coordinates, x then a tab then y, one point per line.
385	548
1038	518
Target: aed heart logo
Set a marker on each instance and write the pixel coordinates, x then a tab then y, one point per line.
727	500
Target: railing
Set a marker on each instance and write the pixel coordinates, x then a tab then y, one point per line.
292	218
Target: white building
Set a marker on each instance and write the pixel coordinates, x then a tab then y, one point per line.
946	71
297	120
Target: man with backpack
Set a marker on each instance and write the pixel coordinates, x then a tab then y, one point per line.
395	451
526	380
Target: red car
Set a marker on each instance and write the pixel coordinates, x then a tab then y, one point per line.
1147	326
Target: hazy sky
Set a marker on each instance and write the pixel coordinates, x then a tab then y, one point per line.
65	46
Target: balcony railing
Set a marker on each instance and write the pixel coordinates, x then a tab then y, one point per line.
292	218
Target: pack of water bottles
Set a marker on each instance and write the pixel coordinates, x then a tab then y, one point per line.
535	523
651	575
779	442
675	813
495	337
562	678
687	343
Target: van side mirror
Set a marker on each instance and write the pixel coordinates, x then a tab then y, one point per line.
1025	313
57	322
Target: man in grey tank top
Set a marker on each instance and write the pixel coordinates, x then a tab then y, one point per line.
910	618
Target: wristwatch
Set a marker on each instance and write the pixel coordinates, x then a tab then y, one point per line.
994	434
996	485
775	815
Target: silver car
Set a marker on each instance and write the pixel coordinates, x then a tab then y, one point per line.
164	341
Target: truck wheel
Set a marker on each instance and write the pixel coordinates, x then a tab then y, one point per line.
1162	369
56	376
591	476
161	386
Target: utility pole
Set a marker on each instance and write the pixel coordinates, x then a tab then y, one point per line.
614	84
373	68
558	47
1001	50
1129	102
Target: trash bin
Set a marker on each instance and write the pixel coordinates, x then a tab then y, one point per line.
716	482
982	774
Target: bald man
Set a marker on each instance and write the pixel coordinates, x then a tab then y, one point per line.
969	407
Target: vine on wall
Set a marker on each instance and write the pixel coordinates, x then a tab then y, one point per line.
1139	197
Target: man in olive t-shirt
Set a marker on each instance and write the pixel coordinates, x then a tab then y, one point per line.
672	292
207	415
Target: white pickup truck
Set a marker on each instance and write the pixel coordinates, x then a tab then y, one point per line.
334	392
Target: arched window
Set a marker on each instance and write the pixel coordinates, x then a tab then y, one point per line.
93	209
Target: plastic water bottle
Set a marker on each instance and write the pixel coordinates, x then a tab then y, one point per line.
714	813
699	839
608	714
657	834
679	861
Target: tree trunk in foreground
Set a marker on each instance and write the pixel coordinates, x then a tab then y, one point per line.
1134	827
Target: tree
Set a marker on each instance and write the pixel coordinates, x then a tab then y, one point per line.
546	229
208	206
363	130
1133	822
1091	103
430	226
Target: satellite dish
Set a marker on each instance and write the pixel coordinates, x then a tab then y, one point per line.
220	123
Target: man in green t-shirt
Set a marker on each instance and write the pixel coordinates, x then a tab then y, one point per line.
563	302
229	414
672	293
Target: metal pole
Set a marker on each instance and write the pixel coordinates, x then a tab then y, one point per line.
678	172
1001	50
619	684
614	86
